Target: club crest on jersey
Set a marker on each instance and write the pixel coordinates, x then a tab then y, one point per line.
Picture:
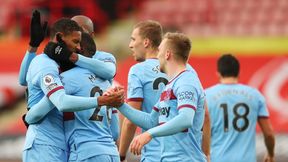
167	95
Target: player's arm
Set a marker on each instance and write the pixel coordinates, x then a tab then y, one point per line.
29	56
39	111
266	127
37	34
128	131
140	118
68	103
52	87
179	123
105	69
206	133
269	139
114	126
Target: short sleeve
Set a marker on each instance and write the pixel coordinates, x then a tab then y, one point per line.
187	97
262	108
135	87
49	81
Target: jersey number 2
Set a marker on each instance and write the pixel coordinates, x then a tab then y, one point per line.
95	115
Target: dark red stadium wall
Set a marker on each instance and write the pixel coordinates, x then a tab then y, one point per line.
264	72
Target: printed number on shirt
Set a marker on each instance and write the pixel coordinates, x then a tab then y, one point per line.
240	121
95	116
157	82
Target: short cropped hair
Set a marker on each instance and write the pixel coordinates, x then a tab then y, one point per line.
228	66
87	44
151	30
180	45
65	26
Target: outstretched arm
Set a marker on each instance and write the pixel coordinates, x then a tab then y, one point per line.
103	69
179	123
68	103
37	35
29	56
128	131
142	119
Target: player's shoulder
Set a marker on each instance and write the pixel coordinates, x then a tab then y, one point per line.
211	89
42	62
187	75
43	58
136	68
190	68
250	89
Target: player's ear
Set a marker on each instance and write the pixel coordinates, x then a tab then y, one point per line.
146	42
59	37
168	54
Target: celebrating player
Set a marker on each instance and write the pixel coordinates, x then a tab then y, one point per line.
43	79
178	115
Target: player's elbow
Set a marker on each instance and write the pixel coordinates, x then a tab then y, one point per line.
22	82
109	74
187	121
32	120
115	135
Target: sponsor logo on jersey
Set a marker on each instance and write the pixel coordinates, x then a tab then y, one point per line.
186	95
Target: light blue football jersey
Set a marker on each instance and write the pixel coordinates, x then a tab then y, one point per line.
88	132
43	79
145	83
184	91
234	110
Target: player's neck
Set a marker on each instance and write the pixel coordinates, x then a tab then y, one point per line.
151	54
228	80
174	69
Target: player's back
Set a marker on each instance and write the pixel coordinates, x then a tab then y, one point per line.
48	131
89	132
234	110
185	145
145	83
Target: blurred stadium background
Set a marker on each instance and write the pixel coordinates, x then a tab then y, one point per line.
256	31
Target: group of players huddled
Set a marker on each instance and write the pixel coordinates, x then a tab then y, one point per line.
73	108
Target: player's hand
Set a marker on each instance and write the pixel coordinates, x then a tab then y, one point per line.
114	99
268	159
58	52
111	90
138	143
37	31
